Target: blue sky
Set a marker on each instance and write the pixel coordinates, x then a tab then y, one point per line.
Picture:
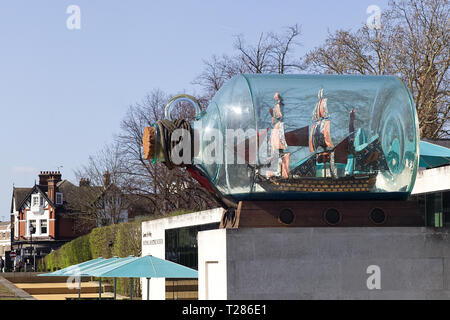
63	92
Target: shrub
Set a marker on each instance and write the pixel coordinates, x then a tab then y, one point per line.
119	240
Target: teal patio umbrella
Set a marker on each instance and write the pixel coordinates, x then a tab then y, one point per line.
145	267
432	155
62	272
98	270
88	271
84	270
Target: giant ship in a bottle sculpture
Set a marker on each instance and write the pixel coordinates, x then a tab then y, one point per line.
297	138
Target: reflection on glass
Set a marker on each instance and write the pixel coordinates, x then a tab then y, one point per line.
314	136
181	244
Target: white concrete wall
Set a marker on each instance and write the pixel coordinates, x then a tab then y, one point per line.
153	242
431	180
330	263
212	265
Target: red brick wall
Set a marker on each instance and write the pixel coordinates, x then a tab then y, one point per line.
65	229
51	229
22	229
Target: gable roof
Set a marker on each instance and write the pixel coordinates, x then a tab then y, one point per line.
18	196
73	195
33	190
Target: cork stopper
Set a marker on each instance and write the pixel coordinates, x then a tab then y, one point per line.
149	142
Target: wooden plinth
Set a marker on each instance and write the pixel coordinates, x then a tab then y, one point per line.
273	214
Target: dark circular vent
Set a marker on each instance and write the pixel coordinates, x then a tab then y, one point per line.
378	216
332	216
286	216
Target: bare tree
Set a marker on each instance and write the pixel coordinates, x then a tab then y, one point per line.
413	43
216	72
273	53
102	182
284	48
168	190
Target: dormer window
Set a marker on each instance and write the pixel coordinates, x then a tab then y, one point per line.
59	198
37	202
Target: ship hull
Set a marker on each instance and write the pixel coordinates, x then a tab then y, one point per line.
355	183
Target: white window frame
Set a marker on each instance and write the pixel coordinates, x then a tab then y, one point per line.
35	200
61	198
40	227
35	227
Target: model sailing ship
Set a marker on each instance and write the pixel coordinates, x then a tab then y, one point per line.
363	158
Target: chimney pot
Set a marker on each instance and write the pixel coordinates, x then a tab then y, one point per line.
106	179
45	176
84	182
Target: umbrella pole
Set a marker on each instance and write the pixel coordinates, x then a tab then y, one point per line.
100	288
79	288
131	288
148	288
115	287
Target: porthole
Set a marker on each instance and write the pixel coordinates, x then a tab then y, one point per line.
378	216
332	216
286	216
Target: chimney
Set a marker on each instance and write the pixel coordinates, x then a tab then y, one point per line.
44	176
106	179
52	177
85	182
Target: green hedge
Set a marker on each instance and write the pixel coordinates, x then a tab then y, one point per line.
119	240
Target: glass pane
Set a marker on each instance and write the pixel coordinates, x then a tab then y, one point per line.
43	226
434	209
32	226
446	207
312	135
181	244
438	210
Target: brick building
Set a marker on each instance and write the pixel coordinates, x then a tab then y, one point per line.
49	208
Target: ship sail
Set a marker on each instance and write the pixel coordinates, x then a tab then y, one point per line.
360	157
320	129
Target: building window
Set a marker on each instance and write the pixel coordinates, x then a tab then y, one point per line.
32	224
35	200
59	198
181	244
446	207
43	226
435	207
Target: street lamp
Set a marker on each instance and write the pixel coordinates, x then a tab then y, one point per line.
32	230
